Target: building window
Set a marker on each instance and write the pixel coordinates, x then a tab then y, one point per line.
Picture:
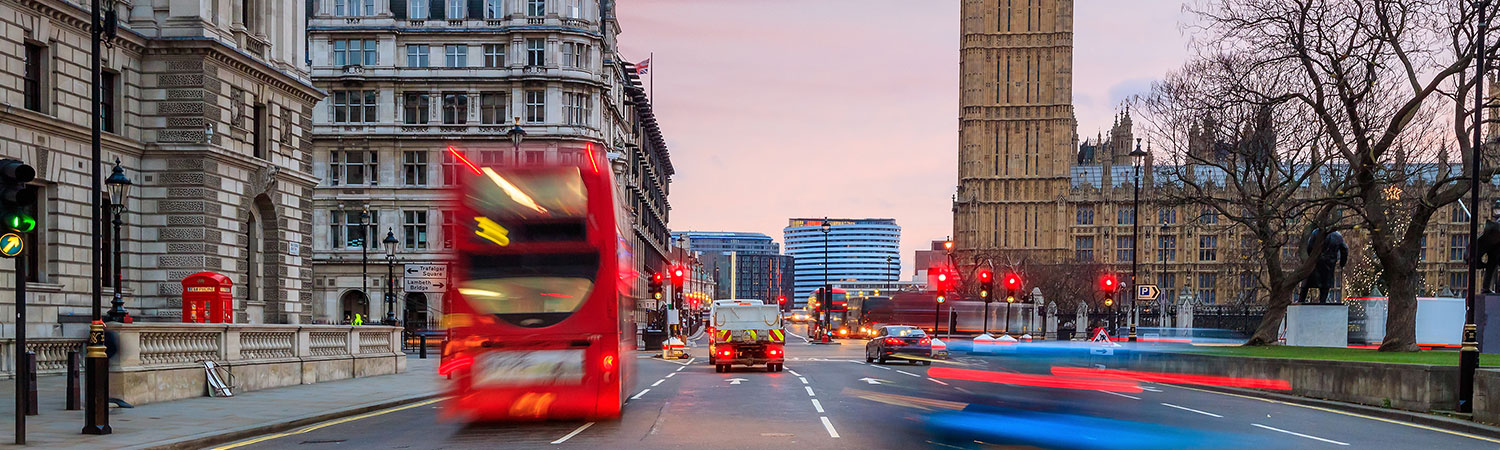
1167	250
33	78
414	230
577	108
354	52
457	55
450	169
575	55
574	10
414	168
1167	216
418	9
450	229
536	52
536	8
494	55
1124	248
353	8
455	108
536	106
1458	281
353	167
36	246
1085	215
1209	217
417	105
1208	248
491	108
494	9
1422	249
1206	284
456	9
1459	215
354	106
258	131
571	158
1458	244
345	230
535	158
1084	248
107	112
1125	216
1167	284
416	55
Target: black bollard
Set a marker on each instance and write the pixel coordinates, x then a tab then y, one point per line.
31	408
422	352
75	365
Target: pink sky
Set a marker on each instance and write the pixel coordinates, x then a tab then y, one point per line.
775	109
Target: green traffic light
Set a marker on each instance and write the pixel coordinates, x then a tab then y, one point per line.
22	223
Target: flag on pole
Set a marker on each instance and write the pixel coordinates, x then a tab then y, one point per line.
643	67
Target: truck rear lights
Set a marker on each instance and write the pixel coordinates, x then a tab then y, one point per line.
727	353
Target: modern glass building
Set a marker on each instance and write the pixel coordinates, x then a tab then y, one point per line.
857	251
727	241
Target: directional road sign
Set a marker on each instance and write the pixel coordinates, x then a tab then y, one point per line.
439	271
426	285
1147	292
11	245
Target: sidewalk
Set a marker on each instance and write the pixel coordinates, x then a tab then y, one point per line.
184	423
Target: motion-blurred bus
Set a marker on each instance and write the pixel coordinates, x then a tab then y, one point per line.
540	324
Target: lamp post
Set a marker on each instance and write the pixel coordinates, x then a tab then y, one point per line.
119	190
823	319
364	257
390	276
1468	356
1135	239
937	307
893	278
516	135
96	415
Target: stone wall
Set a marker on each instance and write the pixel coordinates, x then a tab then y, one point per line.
1487	396
162	362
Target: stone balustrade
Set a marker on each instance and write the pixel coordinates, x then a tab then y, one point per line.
165	361
51	354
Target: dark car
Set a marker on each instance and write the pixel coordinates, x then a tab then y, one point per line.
897	339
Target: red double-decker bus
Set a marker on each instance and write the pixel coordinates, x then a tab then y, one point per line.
540	324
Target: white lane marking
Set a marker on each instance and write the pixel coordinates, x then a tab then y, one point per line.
966	391
574	433
935	380
810	392
1293	433
804	380
670	374
1150	389
806	340
793	372
658	382
1169	405
908	373
829	426
880	367
679	369
638	396
860	362
817	406
1122	395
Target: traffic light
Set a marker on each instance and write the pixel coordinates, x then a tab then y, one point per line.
16	197
941	298
656	286
678	273
986	284
1012	287
1110	285
781	300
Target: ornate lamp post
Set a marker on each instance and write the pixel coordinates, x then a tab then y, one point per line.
516	135
1468	356
364	257
1135	239
827	300
390	276
119	191
103	19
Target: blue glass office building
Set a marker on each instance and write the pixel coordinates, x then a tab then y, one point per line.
858	251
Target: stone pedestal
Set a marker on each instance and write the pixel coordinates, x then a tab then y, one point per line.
1487	317
1317	325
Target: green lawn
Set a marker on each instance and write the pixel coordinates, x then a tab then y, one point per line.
1436	357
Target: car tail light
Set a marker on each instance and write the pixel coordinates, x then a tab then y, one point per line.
893	341
925	341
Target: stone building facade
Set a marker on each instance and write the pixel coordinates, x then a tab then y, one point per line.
411	79
207	108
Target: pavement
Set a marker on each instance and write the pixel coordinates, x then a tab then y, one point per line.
830	397
204	421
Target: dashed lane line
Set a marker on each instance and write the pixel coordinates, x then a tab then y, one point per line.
679	369
658	382
793	372
1346	413
810	392
880	367
935	380
574	433
1294	433
643	392
1132	397
829	426
804	379
1169	405
670	374
903	372
818	406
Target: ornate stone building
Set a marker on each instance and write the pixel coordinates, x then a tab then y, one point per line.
207	107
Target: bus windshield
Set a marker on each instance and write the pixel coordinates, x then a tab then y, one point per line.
529	290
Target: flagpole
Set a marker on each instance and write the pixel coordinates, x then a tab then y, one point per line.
651	84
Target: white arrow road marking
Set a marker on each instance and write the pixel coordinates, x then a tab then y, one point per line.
871	380
829	426
817	406
574	433
1169	405
734	381
1122	395
643	392
1293	433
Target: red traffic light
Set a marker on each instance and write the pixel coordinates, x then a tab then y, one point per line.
656	278
942	277
1108	283
781	300
1012	281
985	275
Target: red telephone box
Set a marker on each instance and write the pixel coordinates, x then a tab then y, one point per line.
206	298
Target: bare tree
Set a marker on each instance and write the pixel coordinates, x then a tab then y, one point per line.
1240	148
1385	80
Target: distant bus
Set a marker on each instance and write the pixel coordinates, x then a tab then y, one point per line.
541	322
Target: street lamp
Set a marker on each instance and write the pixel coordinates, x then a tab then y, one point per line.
516	135
102	30
1135	224
823	318
390	276
1468	356
119	191
364	257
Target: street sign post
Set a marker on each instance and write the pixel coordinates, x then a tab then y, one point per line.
438	271
1147	292
426	284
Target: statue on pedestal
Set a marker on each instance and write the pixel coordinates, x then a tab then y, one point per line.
1487	249
1334	256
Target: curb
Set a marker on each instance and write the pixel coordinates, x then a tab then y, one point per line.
1428	419
204	440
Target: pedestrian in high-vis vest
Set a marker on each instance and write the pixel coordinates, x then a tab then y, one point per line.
359	319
